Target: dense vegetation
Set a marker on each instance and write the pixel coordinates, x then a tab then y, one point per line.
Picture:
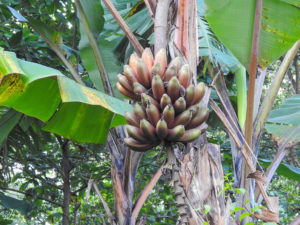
38	168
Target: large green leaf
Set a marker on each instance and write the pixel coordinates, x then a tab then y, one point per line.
285	120
13	203
7	122
232	21
68	108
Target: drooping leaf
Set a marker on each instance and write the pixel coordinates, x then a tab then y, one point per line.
13	203
68	108
232	22
7	122
284	169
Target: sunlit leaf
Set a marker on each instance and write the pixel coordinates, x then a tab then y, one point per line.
232	22
68	108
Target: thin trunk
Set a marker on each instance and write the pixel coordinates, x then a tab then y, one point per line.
66	184
77	205
297	74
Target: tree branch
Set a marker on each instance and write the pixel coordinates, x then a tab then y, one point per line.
104	203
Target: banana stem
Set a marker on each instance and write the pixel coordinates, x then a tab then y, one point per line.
240	77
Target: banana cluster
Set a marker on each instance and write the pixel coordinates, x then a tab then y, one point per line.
166	107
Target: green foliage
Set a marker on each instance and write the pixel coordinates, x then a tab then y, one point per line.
284	169
35	93
12	203
289	195
284	120
7	122
279	31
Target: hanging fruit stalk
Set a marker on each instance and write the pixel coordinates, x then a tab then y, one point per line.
169	109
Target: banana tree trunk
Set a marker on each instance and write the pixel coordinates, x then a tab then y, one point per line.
197	169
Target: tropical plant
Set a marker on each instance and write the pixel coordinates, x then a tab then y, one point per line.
83	108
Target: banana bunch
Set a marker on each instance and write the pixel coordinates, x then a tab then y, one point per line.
166	107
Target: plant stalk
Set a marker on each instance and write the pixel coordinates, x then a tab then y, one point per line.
252	73
161	24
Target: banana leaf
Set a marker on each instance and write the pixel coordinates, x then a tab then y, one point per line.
232	22
68	108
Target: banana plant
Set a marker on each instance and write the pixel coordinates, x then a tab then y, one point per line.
67	105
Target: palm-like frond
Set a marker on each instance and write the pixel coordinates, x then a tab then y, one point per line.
210	46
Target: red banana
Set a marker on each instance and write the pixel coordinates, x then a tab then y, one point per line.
139	111
156	70
133	62
189	95
199	118
173	89
157	87
169	115
161	58
179	105
170	72
199	93
132	119
164	101
148	130
137	134
184	75
138	88
137	146
190	135
184	118
147	98
127	93
152	113
161	129
124	82
142	74
129	74
148	59
175	133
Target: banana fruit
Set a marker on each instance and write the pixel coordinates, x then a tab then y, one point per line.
169	108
